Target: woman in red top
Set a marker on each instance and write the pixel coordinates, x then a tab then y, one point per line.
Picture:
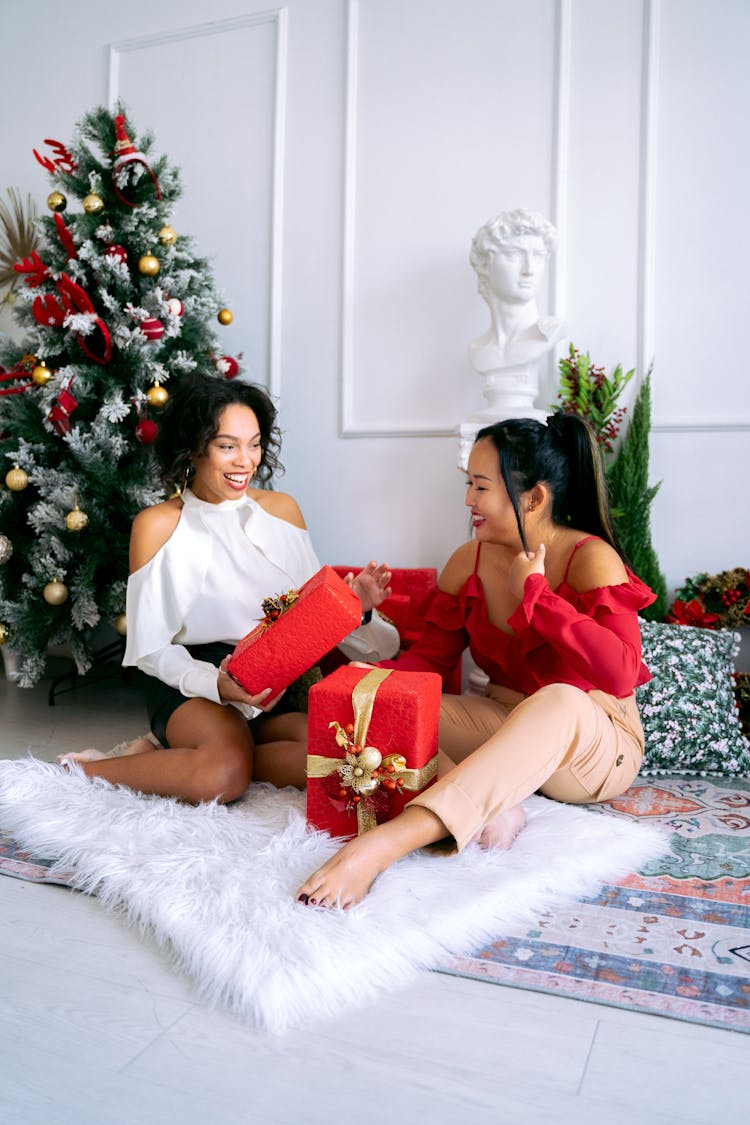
549	610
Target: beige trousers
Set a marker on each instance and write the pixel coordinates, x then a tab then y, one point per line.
565	743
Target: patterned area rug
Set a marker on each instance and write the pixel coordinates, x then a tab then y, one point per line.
671	940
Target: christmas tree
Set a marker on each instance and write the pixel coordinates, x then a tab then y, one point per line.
115	307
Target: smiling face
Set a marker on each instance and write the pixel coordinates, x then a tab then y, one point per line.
233	454
492	514
516	267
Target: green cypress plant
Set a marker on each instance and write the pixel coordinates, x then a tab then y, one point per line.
632	495
586	390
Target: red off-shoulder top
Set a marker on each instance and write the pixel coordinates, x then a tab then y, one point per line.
591	640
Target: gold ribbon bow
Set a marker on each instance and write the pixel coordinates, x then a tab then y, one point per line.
363	768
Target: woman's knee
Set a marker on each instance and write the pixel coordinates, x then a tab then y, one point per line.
224	773
564	697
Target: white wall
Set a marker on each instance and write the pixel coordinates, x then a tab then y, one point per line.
338	157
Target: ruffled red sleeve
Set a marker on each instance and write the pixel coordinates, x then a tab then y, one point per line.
597	632
443	638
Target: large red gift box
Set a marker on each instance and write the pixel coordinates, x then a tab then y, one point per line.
299	628
372	746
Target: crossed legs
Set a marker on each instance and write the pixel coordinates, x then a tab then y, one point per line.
559	740
215	755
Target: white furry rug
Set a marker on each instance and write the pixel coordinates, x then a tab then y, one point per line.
216	887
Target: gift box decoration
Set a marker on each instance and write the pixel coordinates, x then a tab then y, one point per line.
372	746
299	627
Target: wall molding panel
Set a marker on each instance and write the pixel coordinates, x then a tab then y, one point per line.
278	19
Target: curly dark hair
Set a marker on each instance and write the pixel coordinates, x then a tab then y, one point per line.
190	420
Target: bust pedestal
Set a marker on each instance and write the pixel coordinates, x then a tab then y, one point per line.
509	393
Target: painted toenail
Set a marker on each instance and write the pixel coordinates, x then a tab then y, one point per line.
313	902
303	898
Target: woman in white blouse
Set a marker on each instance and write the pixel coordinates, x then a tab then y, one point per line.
201	563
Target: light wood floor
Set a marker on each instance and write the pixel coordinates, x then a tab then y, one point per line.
97	1029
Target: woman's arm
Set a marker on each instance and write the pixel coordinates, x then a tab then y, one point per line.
147	597
603	644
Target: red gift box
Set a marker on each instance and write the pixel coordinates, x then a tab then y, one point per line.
298	629
412	588
372	746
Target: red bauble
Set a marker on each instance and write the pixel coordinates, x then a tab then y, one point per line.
146	431
227	366
152	328
176	306
118	252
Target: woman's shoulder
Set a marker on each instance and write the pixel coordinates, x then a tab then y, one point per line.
592	563
459	568
152	527
278	504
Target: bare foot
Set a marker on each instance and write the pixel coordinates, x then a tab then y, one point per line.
137	746
346	877
501	831
89	755
143	745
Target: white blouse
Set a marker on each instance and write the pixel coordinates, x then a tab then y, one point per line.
207	583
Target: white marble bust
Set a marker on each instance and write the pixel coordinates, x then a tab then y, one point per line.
509	254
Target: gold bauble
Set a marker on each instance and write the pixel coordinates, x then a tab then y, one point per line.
93	204
55	592
121	625
157	395
56	201
76	520
3	633
41	374
149	265
167	236
370	758
6	549
17	479
225	316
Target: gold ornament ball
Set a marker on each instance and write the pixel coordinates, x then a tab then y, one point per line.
370	758
76	520
55	592
17	479
157	395
3	633
121	625
6	549
41	374
93	204
56	201
149	265
225	316
167	236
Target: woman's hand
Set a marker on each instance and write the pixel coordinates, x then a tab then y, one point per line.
371	585
232	692
522	566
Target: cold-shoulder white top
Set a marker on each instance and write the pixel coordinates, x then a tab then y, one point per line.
207	582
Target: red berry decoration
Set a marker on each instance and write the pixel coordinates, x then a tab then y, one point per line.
146	431
152	328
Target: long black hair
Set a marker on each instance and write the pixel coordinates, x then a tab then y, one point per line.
190	420
562	454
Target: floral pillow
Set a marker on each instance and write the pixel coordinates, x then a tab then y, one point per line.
688	708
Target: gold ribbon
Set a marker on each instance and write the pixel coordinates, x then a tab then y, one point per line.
363	701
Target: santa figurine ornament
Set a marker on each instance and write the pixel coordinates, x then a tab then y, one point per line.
126	155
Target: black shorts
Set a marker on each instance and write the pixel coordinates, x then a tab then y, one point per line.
162	700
